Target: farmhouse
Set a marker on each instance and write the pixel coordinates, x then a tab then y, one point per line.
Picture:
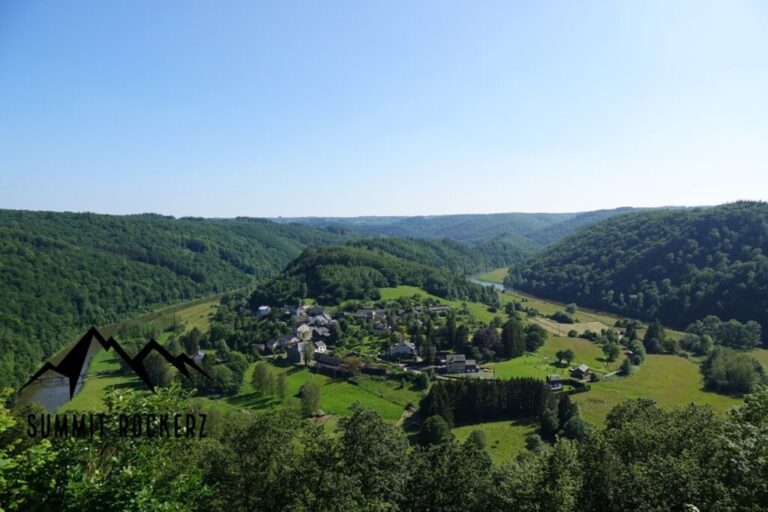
580	372
555	382
456	363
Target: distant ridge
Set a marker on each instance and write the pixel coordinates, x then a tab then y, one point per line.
72	364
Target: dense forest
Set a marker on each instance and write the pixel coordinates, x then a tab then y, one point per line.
676	265
455	256
62	272
357	271
645	458
526	232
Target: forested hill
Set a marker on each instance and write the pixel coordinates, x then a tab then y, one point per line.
455	256
357	271
526	231
677	265
60	272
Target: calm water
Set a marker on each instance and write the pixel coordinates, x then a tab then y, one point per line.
498	286
52	390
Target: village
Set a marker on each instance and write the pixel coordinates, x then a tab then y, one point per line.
310	343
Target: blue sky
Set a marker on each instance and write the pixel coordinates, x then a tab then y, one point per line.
380	108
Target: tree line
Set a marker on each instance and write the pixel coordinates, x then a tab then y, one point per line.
645	458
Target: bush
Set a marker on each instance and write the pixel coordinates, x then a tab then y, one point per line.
626	368
434	431
732	372
572	333
562	317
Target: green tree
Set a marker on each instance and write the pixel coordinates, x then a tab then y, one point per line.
512	339
263	379
434	430
611	351
654	337
310	398
157	368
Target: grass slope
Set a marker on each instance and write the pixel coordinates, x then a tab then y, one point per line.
504	439
496	275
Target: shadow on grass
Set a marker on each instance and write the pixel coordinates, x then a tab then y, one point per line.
253	400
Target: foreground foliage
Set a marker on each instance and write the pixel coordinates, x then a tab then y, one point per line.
646	458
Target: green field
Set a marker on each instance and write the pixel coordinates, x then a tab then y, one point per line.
670	380
504	439
496	275
386	397
476	309
103	372
761	355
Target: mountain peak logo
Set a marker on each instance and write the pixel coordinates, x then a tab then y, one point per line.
71	365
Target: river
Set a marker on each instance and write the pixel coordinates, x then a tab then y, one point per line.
51	390
498	286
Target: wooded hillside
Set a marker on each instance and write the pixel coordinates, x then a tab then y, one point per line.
677	265
62	272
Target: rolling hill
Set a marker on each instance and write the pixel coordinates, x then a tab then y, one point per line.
63	272
675	265
526	232
359	269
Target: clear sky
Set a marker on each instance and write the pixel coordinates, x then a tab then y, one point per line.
380	107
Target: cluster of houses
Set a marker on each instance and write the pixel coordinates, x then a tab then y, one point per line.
578	373
310	337
311	328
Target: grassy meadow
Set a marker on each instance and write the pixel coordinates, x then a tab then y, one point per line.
504	439
496	275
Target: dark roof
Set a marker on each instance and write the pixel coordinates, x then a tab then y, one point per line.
327	359
457	358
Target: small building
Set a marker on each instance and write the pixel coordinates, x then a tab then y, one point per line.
439	309
320	347
555	382
198	356
304	332
379	328
295	352
402	349
320	320
320	333
316	310
456	363
580	372
325	360
370	314
470	366
263	311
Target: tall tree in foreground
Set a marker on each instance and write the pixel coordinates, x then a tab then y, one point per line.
310	398
512	339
